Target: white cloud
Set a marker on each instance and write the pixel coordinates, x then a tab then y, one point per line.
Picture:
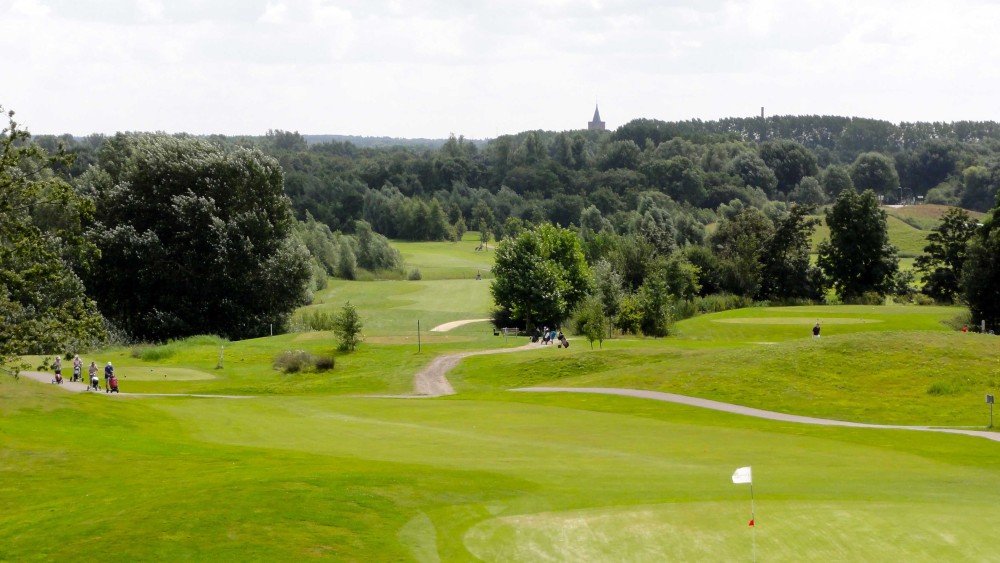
30	8
430	67
149	10
274	14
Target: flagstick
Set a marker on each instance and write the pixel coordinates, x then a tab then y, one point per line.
754	520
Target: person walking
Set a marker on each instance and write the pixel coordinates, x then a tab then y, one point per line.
93	375
816	330
77	368
109	372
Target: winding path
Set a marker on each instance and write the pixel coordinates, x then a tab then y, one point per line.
432	381
748	411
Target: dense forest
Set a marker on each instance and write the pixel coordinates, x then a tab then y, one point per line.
420	193
664	213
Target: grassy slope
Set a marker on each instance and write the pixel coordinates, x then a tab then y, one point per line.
548	476
448	260
300	474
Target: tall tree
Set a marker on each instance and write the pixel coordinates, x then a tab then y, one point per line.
944	256
540	275
786	269
42	301
875	171
738	243
790	161
981	274
194	239
858	257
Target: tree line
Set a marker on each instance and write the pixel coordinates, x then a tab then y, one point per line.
160	236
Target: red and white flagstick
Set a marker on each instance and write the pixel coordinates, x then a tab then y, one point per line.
752	518
744	476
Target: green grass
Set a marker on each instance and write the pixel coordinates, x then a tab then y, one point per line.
908	240
310	469
448	260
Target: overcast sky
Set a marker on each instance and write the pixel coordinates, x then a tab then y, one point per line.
428	68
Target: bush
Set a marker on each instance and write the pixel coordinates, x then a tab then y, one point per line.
316	319
959	321
324	363
295	361
414	275
348	327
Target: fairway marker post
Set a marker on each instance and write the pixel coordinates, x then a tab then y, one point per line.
744	475
418	336
989	401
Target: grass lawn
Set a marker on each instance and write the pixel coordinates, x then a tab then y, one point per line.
311	469
448	260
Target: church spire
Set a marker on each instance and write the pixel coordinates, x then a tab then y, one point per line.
596	124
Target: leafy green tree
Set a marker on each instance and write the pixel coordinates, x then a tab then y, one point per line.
808	192
944	256
194	239
540	275
786	271
835	179
373	250
657	306
739	243
981	275
42	301
875	171
609	289
979	185
347	326
590	320
858	257
749	168
620	154
630	314
790	161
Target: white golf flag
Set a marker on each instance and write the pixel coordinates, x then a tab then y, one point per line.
742	475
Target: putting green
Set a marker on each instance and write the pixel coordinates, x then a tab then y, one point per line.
718	531
795	321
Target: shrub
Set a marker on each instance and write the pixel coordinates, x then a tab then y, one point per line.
316	319
414	275
348	327
295	361
959	321
323	363
942	388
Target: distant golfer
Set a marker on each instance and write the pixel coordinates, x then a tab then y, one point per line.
816	331
109	372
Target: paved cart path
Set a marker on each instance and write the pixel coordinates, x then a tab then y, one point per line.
432	381
76	387
748	411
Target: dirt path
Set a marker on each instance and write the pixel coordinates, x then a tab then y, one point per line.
455	324
431	381
748	411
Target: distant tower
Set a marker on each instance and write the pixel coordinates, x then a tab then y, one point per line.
596	124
